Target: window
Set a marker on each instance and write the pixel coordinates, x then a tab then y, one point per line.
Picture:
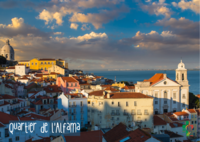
41	63
195	116
146	112
126	103
183	96
10	140
174	95
6	55
165	94
112	103
48	62
183	105
17	138
32	63
41	68
165	82
92	103
154	126
45	63
0	134
192	116
195	122
163	126
165	102
52	63
192	122
135	103
156	95
174	102
139	112
144	126
74	104
118	103
156	102
88	102
132	111
81	103
182	76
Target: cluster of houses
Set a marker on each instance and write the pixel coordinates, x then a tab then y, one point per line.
152	110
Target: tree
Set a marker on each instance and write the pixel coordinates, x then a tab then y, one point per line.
193	101
126	83
2	60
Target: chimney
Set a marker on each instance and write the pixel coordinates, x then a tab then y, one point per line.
164	75
108	95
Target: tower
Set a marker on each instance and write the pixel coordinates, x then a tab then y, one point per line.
181	74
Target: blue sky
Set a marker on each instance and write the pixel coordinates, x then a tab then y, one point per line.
106	34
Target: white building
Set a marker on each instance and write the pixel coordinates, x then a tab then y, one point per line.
169	95
76	107
21	70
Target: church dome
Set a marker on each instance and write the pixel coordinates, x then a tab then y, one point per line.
181	65
7	48
7	51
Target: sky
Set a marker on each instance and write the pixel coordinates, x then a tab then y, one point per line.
104	34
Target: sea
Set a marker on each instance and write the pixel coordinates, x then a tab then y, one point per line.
134	76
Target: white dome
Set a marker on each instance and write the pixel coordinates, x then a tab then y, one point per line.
7	51
7	48
181	65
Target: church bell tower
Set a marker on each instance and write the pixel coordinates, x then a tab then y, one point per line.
181	74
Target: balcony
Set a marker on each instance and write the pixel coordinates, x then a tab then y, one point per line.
146	113
118	114
73	105
125	113
82	118
139	113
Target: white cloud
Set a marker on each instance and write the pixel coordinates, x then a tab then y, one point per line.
157	8
58	33
74	26
92	35
193	5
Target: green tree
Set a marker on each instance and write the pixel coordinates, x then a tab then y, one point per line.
2	60
193	100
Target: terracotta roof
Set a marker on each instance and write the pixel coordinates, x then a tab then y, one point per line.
198	96
175	124
37	116
69	79
5	118
128	87
11	67
7	97
52	88
97	93
105	86
43	139
158	121
111	89
5	103
119	95
154	79
116	133
192	110
198	112
89	136
172	134
181	113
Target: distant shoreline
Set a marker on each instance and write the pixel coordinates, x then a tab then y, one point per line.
141	70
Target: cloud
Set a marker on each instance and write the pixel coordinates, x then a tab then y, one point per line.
58	33
98	19
85	27
157	8
182	27
92	35
8	4
18	27
193	5
74	26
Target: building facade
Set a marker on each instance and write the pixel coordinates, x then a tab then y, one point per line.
109	109
169	95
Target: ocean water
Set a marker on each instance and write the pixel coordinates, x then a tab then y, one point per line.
134	76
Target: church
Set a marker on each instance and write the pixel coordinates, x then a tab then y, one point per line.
8	52
169	95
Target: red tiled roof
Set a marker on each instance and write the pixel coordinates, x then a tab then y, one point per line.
89	136
175	124
97	93
181	113
69	79
7	97
116	133
158	121
198	111
37	116
5	103
111	89
52	88
11	67
44	139
192	110
119	95
198	95
5	118
157	77
105	86
128	87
